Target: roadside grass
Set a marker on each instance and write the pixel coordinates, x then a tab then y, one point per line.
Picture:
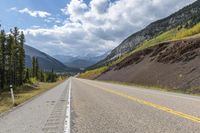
23	94
93	73
171	35
154	87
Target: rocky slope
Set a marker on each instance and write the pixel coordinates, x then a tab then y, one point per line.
173	65
186	17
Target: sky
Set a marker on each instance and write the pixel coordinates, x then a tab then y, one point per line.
82	27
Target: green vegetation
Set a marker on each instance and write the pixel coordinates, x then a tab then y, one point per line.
93	73
171	35
12	62
26	82
36	74
12	55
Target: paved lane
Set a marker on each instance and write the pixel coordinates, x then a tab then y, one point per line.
43	114
99	107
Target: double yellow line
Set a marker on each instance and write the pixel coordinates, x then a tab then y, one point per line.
180	114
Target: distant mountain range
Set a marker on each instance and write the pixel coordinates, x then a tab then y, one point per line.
80	62
46	62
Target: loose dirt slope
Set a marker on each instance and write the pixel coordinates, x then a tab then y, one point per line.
171	64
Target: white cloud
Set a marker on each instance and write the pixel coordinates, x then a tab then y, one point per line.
13	9
53	20
41	14
99	26
99	6
35	26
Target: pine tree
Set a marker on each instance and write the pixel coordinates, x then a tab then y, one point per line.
21	58
42	77
27	76
33	66
52	75
2	59
37	68
10	58
15	52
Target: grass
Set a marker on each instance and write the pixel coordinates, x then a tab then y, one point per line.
93	73
171	35
23	94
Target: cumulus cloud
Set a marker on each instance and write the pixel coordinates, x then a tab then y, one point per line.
100	25
41	14
99	6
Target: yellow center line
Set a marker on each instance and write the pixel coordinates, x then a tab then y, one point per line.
180	114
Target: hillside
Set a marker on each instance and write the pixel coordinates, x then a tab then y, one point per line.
172	64
46	62
186	17
169	59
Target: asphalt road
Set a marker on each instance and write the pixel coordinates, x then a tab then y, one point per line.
98	107
43	114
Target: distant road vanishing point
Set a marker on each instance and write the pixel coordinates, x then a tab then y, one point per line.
86	106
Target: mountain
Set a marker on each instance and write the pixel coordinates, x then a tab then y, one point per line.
186	17
46	62
80	62
166	54
173	65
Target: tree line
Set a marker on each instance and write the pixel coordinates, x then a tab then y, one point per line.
38	74
12	55
12	62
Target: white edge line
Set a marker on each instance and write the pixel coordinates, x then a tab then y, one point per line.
67	116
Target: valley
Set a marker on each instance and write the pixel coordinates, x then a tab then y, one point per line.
100	66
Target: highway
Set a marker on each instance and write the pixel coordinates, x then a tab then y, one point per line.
42	114
86	106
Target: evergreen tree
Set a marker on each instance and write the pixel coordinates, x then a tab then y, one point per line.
52	75
27	76
33	66
2	58
10	58
42	77
37	68
12	61
21	58
16	55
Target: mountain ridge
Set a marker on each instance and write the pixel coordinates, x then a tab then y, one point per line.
187	16
173	65
46	62
80	62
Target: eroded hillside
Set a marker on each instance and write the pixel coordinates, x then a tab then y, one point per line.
174	64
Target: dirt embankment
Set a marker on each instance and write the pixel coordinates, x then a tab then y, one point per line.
174	65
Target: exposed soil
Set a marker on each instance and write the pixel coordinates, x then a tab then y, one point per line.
174	65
